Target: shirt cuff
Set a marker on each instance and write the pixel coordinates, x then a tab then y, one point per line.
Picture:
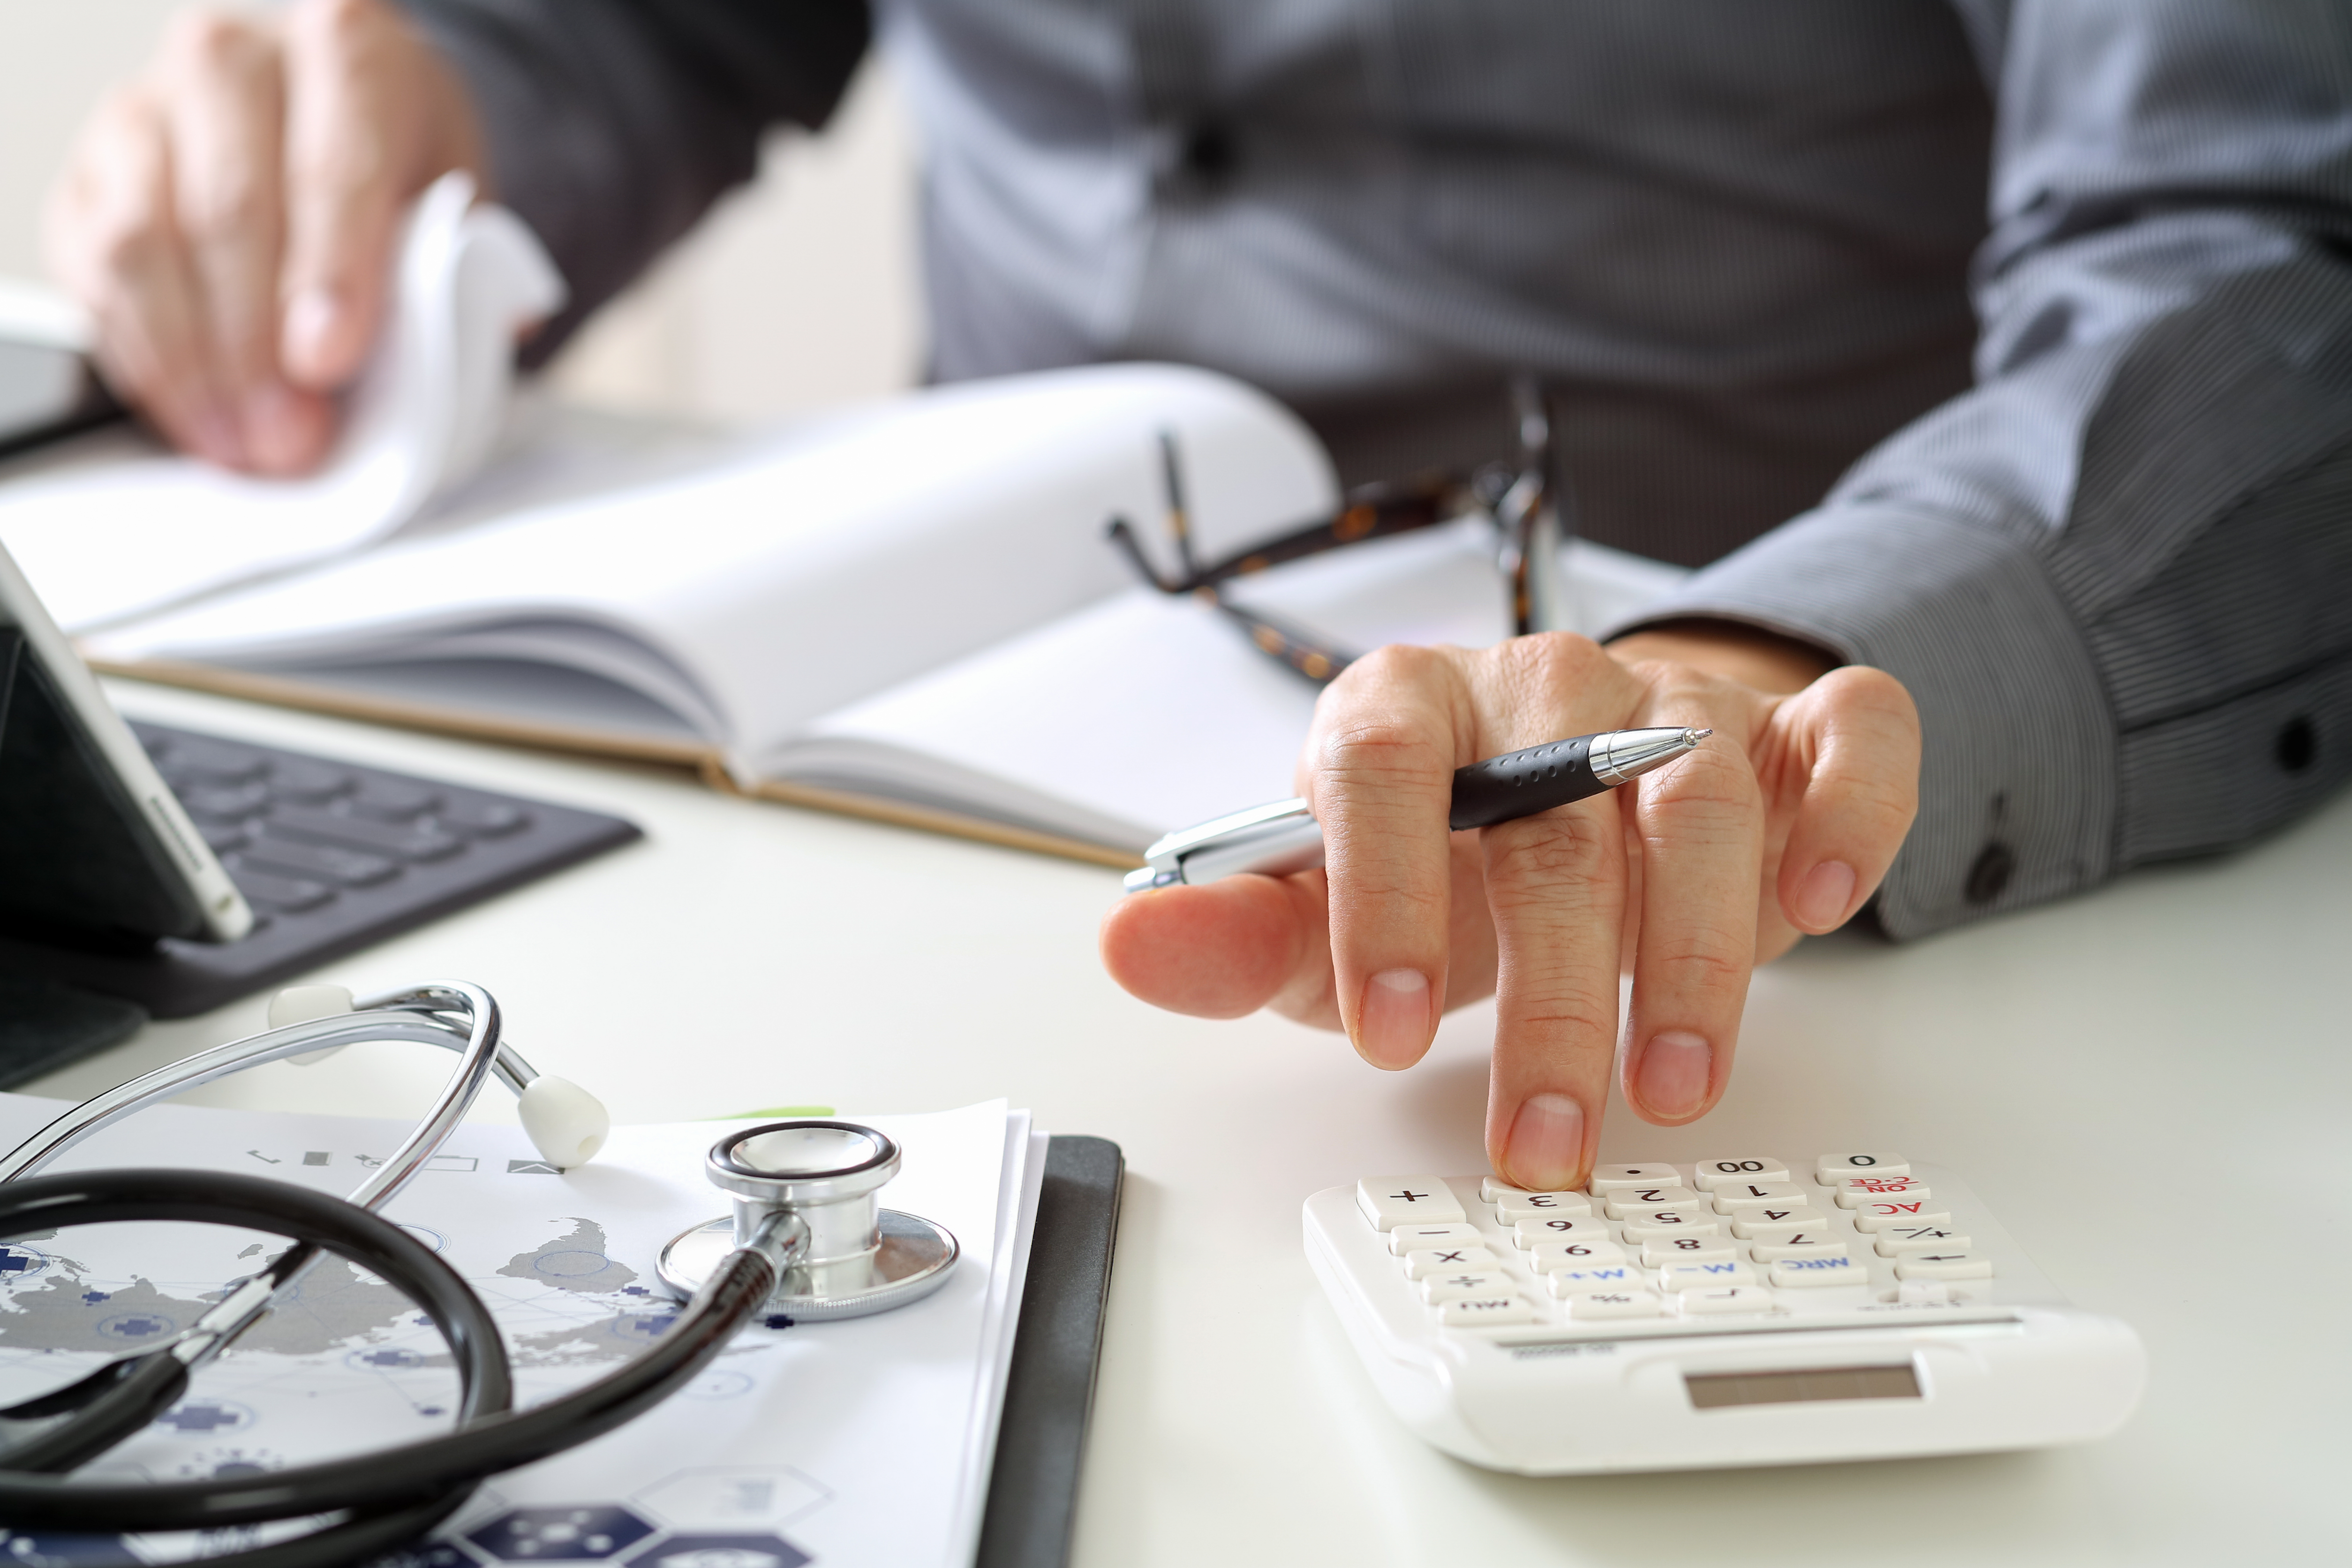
2017	769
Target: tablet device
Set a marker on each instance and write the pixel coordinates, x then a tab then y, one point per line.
94	846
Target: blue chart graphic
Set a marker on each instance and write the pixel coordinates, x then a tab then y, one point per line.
561	1534
202	1416
20	1263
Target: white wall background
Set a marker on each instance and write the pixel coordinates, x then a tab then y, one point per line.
799	292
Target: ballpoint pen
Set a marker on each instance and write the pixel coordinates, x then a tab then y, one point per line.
1283	836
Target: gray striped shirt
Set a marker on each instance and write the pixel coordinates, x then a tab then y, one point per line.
2007	346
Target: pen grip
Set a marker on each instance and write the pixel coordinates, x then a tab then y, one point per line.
1521	783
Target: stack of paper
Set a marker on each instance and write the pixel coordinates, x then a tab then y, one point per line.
867	1441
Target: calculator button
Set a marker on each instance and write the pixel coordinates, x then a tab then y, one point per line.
1512	1207
1577	1281
1688	1249
1726	1299
1656	1225
1804	1244
1410	1238
1704	1276
1903	1211
1923	1293
1494	1190
1545	1257
1596	1304
1803	1273
1715	1173
1392	1201
1943	1265
1852	1192
1441	1260
1535	1232
1834	1168
1617	1178
1488	1312
1466	1284
1632	1200
1777	1223
1904	1238
1733	1196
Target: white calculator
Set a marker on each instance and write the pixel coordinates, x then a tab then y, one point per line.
1736	1311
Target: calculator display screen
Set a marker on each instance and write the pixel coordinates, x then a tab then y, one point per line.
1715	1389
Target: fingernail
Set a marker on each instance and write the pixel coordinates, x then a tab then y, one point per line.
1545	1147
309	328
1823	895
1392	1026
1671	1078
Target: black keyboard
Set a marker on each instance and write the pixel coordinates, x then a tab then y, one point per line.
331	856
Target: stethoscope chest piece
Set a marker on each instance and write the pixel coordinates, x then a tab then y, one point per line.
860	1257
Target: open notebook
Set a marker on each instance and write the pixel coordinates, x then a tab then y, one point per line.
907	610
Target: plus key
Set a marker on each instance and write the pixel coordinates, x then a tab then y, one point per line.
1389	1202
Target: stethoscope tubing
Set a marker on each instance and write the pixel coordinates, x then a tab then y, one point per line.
411	1475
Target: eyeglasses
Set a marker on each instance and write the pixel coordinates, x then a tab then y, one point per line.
1517	501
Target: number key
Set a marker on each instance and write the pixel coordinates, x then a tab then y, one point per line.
1531	1232
1834	1168
1547	1257
1632	1200
1714	1173
1778	1224
1733	1196
1687	1249
1512	1207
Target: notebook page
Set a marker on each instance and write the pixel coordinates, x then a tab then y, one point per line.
850	555
115	528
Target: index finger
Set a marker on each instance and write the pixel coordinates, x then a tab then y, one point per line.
1380	773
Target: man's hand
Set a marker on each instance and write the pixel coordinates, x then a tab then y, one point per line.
228	218
1781	824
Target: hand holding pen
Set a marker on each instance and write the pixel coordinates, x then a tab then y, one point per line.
1780	822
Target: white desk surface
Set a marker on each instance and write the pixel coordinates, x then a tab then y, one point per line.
2151	1086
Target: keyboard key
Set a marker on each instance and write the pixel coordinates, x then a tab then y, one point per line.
200	761
1512	1207
1632	1200
1774	1225
307	783
1567	1282
1535	1232
1679	1277
1905	1211
1813	1273
1855	1191
1549	1256
224	803
1389	1202
1443	1259
399	841
1908	1238
1407	1238
1466	1284
1714	1173
1833	1169
1602	1304
322	862
1607	1179
1727	1299
1943	1265
1731	1198
393	800
279	895
1488	1312
1804	1244
1688	1249
1656	1225
222	836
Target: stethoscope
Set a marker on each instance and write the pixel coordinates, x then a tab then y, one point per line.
806	1237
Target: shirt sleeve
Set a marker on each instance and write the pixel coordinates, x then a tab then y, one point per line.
2116	576
614	124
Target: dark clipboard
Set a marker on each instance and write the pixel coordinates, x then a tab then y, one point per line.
1032	1488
